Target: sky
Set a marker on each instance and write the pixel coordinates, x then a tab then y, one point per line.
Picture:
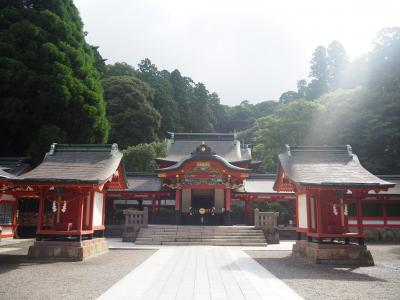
241	49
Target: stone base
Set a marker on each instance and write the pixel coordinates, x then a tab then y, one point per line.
334	254
65	250
130	234
271	235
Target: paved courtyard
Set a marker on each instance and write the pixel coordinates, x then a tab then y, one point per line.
196	272
200	272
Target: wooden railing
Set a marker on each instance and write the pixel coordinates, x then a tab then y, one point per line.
265	219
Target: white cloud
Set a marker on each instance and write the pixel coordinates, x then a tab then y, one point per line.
253	50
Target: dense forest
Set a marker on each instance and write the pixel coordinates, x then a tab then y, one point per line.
55	87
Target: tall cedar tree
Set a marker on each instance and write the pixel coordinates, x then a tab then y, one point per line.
50	91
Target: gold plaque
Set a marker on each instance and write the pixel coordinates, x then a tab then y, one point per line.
202	211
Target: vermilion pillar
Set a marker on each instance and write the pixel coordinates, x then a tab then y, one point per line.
153	207
177	206
177	199
228	198
227	215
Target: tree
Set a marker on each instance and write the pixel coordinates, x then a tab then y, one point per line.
291	124
99	61
182	94
50	89
288	96
163	99
384	61
318	73
132	116
302	88
141	158
119	69
200	115
337	63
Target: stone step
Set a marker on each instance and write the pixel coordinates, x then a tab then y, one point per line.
261	240
201	235
255	244
198	234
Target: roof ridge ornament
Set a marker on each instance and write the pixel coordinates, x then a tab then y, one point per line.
114	148
52	149
288	150
203	150
349	150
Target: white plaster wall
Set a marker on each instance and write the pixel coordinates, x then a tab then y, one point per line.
98	209
302	210
7	197
186	200
219	200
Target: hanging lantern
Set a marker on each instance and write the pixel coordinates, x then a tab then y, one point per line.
335	212
54	208
64	208
346	211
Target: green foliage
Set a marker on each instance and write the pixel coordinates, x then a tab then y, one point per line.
119	69
141	158
163	99
337	63
200	114
290	124
49	88
132	116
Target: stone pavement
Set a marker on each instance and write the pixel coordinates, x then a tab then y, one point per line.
200	272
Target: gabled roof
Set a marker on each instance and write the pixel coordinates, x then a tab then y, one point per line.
391	178
5	175
223	144
259	183
203	152
143	182
76	163
15	165
327	166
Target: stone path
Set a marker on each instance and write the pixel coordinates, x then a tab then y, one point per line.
200	272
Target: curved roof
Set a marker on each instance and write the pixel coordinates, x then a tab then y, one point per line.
328	166
5	175
224	145
76	163
211	157
143	182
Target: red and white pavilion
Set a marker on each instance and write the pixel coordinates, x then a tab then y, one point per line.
71	185
324	179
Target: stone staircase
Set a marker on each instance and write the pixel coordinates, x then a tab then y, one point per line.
200	235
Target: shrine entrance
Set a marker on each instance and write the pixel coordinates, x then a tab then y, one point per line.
201	207
202	198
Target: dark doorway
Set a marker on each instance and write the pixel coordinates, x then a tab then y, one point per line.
202	198
202	201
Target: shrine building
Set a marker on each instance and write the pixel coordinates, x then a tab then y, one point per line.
201	180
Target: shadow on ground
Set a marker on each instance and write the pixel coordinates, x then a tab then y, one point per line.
286	266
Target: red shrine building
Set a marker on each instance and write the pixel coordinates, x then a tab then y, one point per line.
328	183
201	180
79	191
69	187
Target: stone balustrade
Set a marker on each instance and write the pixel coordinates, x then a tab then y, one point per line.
134	220
268	222
265	219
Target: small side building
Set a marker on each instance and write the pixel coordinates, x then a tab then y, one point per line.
71	184
321	178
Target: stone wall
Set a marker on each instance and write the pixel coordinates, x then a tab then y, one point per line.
383	234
